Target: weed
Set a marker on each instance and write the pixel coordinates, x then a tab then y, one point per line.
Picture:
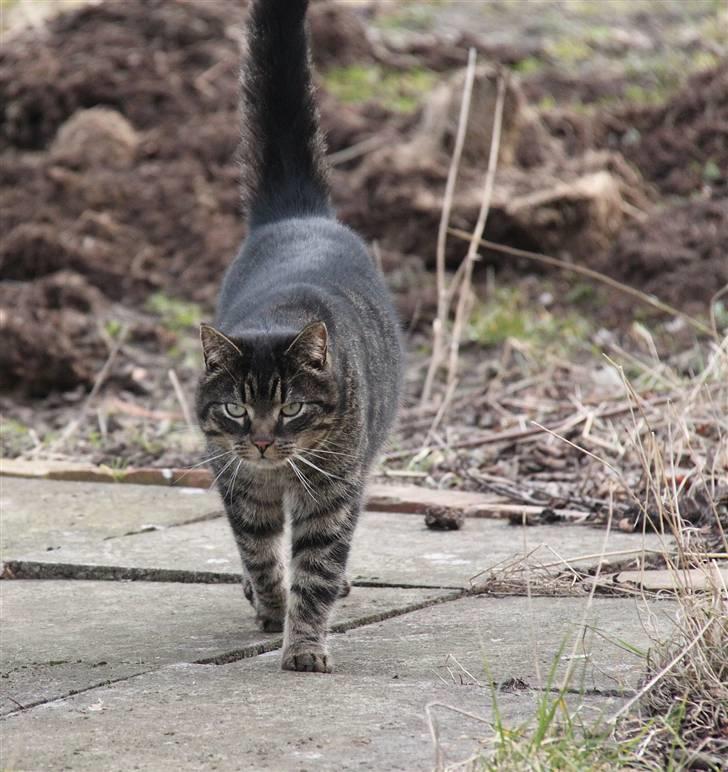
177	315
395	90
678	717
419	17
15	438
568	51
547	102
711	171
152	446
507	314
113	328
529	65
720	315
117	468
95	439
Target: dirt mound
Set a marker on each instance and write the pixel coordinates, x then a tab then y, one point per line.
118	135
95	137
554	202
677	254
340	36
141	58
682	146
118	132
48	342
31	251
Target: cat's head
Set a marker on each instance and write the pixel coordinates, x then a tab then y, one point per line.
267	396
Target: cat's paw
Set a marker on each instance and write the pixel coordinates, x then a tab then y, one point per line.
270	624
308	658
270	618
345	589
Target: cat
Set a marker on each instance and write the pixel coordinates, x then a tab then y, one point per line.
304	364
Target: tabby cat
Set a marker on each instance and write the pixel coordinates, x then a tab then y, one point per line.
303	366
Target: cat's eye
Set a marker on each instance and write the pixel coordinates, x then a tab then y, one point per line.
291	409
234	410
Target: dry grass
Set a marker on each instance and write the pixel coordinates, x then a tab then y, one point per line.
639	442
567	432
684	695
672	469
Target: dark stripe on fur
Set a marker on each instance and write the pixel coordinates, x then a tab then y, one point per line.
315	595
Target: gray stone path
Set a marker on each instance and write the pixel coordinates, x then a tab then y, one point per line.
159	675
45	515
394	549
82	633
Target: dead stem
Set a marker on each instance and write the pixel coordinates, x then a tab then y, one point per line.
439	324
462	309
99	381
649	300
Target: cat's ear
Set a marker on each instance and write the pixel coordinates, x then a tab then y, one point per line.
310	345
219	351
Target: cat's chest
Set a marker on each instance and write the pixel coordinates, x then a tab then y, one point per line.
279	489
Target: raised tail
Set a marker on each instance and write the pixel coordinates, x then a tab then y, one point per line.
282	149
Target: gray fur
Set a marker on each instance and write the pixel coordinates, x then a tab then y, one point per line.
304	319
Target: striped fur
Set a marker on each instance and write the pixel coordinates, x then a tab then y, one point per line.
303	367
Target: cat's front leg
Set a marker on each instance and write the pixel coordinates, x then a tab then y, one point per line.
258	534
319	550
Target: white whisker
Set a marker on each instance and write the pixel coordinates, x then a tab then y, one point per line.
317	468
318	451
306	485
219	474
231	486
329	443
211	458
202	463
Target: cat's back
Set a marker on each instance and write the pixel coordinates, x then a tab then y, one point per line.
305	259
311	245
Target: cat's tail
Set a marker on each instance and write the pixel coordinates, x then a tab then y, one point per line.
282	150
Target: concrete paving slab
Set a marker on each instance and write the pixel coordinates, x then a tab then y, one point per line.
388	548
44	515
676	581
368	715
63	636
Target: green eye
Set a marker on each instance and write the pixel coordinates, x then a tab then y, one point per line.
234	410
291	409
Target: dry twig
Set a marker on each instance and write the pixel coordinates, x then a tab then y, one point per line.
649	300
439	324
103	374
462	310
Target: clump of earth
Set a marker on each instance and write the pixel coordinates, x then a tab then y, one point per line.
118	134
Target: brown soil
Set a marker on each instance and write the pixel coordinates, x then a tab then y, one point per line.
677	254
55	308
682	146
118	135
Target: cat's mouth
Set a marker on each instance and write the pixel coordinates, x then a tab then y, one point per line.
264	462
272	457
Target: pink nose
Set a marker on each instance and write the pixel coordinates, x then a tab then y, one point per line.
262	445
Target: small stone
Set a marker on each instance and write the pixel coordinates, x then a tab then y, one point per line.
513	685
444	519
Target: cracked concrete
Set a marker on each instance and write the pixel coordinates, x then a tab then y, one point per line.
369	715
62	636
391	549
169	672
